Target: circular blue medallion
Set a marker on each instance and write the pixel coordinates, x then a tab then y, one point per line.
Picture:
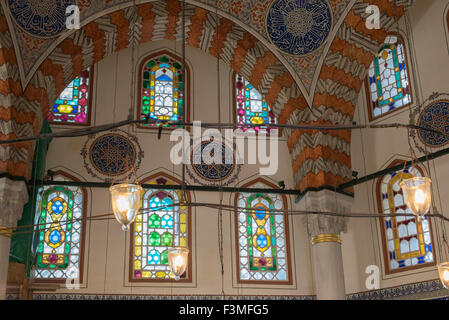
57	207
204	163
112	154
43	18
299	27
435	116
55	236
262	241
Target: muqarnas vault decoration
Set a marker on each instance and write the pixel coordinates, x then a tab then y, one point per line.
112	156
42	18
299	27
223	173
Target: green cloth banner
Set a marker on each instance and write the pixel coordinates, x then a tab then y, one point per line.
22	238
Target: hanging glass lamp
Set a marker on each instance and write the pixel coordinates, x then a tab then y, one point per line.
178	260
125	203
417	194
443	269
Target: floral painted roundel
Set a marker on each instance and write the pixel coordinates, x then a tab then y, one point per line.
435	116
42	18
213	171
112	156
205	170
299	27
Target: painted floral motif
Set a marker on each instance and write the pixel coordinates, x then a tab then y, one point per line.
435	116
299	27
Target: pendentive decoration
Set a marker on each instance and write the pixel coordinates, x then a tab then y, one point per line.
299	27
111	157
213	172
42	18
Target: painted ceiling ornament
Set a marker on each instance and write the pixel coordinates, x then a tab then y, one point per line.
111	156
42	18
213	174
435	116
299	27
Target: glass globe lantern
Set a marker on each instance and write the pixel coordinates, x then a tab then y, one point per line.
125	203
178	260
443	269
417	194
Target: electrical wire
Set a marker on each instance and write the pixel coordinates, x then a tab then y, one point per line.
112	126
231	209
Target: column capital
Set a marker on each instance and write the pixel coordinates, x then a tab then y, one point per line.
13	196
325	201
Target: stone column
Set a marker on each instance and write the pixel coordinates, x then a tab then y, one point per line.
13	196
324	232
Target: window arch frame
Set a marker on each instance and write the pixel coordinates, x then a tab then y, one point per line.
83	228
387	268
287	239
187	87
89	102
188	278
370	105
234	105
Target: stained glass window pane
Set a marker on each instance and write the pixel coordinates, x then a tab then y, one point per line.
262	241
408	241
156	230
252	107
388	81
72	105
59	211
162	89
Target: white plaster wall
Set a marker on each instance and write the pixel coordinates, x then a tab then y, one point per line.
106	254
425	31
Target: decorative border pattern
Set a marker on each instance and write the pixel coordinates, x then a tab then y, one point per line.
426	290
411	291
151	297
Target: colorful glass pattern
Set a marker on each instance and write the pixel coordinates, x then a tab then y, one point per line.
58	211
252	108
162	89
262	237
388	80
156	230
408	241
72	105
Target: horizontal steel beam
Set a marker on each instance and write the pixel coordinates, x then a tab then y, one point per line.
105	185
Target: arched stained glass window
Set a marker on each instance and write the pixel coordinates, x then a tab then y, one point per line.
407	242
60	231
73	104
388	85
163	225
262	237
162	89
251	106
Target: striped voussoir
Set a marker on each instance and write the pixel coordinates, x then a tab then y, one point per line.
322	159
319	158
158	21
19	116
